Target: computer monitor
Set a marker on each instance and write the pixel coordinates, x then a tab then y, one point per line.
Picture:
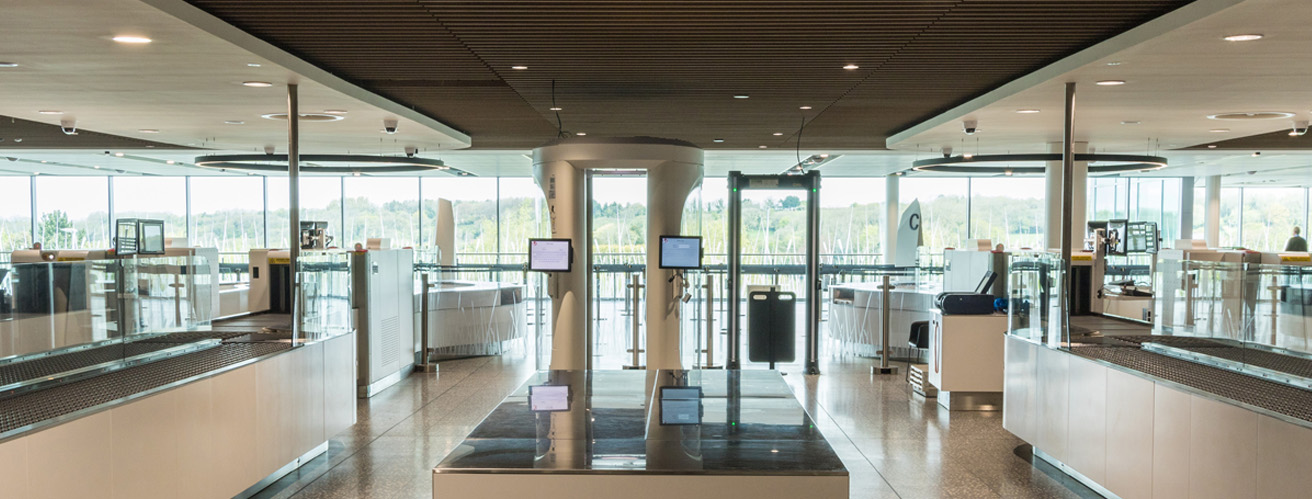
550	255
681	405
548	398
152	237
681	252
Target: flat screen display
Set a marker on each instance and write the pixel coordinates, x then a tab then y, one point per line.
152	237
548	398
681	405
681	252
550	255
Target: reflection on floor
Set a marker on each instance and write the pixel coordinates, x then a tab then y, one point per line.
894	443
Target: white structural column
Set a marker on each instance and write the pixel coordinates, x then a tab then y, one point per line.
673	169
1079	194
562	184
1186	210
891	218
668	185
1212	224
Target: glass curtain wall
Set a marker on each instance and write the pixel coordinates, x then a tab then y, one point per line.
1270	215
1009	210
321	201
944	206
15	213
474	208
159	198
851	217
380	207
522	215
72	212
227	213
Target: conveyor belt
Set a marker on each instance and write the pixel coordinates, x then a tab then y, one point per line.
1288	364
1275	397
32	408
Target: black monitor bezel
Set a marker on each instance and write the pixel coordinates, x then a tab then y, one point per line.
700	407
660	252
570	242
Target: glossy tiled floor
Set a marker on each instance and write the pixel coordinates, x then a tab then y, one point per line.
894	443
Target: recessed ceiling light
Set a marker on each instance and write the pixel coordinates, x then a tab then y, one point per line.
96	167
253	64
1243	38
49	111
763	147
8	64
118	155
148	130
1256	115
234	122
717	141
742	96
257	84
1027	111
519	68
131	39
1114	63
580	134
850	67
1220	130
805	108
304	117
1129	122
1211	146
169	162
556	109
967	155
43	161
334	111
1256	154
776	134
1110	83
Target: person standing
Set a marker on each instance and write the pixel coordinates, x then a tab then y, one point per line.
1296	243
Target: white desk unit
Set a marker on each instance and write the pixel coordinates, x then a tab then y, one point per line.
966	360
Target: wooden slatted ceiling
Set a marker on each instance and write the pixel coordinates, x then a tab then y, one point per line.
670	69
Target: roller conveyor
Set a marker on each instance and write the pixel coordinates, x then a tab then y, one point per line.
1275	397
21	412
42	367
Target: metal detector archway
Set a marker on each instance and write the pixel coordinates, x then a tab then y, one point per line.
810	182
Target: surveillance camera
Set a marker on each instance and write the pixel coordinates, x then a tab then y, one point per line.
389	125
1300	128
69	126
947	152
970	127
410	151
268	150
11	158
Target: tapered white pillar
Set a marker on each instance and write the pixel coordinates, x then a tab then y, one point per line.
1079	196
673	169
1212	224
892	205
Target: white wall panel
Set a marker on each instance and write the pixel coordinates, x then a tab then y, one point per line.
196	448
1171	436
1284	452
1019	404
235	430
1086	446
74	459
145	435
1053	402
1223	450
1129	435
13	468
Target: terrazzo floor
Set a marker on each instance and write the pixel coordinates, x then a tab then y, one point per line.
893	442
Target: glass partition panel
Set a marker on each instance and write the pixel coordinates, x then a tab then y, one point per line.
157	198
523	215
325	294
72	212
15	213
1035	292
1270	215
851	217
321	201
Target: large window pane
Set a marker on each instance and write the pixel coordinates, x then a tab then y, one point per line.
158	198
523	216
942	207
474	204
1230	216
15	213
619	219
382	207
73	212
227	213
851	214
1169	229
1008	210
713	222
321	201
1270	215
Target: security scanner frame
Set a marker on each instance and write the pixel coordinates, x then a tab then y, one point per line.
810	182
